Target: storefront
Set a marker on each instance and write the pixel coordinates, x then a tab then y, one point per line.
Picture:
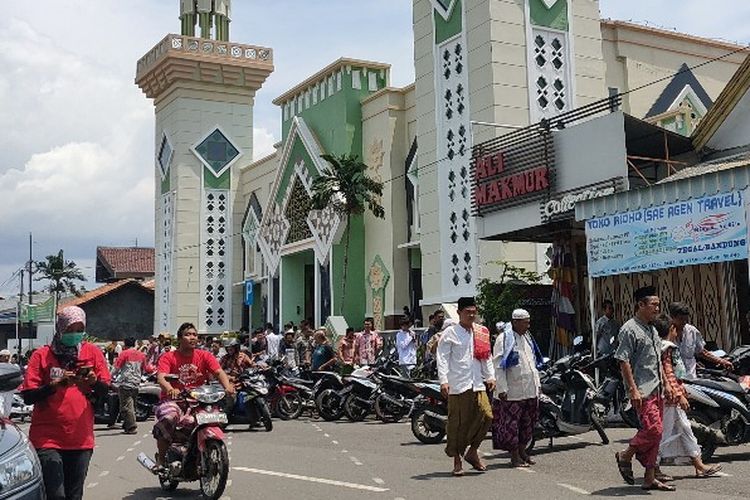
687	237
527	184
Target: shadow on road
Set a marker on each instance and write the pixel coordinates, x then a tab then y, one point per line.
620	491
731	457
443	475
151	493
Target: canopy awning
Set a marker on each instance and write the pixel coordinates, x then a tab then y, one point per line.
719	176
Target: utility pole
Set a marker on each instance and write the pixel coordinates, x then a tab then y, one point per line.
18	321
31	273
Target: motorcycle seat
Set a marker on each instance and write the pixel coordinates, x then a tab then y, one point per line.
720	385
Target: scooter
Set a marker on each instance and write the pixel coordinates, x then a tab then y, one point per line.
568	401
430	415
252	405
107	411
19	409
198	452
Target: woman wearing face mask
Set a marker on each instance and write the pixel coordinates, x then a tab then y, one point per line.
61	381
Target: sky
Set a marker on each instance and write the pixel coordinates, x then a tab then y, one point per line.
77	134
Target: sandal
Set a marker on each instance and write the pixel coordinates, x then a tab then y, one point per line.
664	478
658	486
457	472
518	465
626	470
710	472
476	465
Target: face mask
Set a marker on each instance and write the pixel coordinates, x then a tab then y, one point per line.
72	339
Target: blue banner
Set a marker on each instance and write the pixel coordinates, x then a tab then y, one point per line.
687	233
249	297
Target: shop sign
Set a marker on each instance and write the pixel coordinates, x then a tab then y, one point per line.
492	190
564	203
699	231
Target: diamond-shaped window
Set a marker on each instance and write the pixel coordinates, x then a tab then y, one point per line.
216	152
164	158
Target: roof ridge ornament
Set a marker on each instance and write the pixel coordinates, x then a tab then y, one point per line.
549	3
444	7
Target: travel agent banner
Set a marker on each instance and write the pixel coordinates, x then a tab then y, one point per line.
699	231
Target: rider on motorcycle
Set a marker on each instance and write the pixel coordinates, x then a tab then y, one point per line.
234	363
193	367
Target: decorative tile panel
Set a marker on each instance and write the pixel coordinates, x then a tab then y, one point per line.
165	259
215	261
550	91
164	156
216	152
457	243
323	225
272	236
297	209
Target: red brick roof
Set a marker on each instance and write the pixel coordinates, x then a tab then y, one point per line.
100	292
126	262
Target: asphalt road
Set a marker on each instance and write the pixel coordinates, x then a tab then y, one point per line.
313	459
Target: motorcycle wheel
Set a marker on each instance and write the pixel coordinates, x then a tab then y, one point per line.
167	484
385	413
329	405
291	406
215	470
596	422
354	410
423	431
706	441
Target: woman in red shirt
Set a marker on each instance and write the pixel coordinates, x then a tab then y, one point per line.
61	381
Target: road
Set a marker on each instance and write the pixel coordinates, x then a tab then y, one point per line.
313	459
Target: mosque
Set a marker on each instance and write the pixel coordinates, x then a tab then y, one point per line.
483	68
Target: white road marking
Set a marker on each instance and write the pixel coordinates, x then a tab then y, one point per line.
576	438
137	443
355	460
229	483
104	473
129	450
378	480
145	435
91	485
344	451
722	474
334	442
525	469
326	435
574	489
319	480
120	458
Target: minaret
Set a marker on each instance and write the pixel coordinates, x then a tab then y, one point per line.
203	90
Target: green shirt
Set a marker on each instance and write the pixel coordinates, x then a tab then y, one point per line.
640	345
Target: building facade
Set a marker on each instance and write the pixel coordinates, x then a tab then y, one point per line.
482	69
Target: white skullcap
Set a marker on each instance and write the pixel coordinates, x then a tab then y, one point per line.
5	352
520	314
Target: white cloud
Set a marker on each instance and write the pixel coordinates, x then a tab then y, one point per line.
263	142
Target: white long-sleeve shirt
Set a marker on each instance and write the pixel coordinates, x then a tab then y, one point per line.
521	381
406	345
457	365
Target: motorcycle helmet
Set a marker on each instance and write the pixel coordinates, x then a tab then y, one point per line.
232	343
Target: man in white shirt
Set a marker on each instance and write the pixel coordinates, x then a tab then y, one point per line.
464	363
273	340
691	343
516	404
406	345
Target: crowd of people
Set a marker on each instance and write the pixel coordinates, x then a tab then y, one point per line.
488	387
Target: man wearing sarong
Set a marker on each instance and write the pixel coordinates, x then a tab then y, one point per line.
639	354
464	364
516	405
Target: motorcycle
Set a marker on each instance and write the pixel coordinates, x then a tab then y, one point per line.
366	386
198	452
289	395
395	399
251	406
19	409
107	410
720	405
430	415
568	400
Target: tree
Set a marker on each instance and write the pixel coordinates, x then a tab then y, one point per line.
61	274
345	187
497	298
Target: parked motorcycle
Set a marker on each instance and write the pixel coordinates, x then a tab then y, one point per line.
251	406
366	387
568	401
430	415
19	409
395	399
198	452
720	405
107	410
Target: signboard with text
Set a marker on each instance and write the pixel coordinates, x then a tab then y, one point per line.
699	231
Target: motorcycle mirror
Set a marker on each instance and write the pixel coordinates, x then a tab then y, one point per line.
10	377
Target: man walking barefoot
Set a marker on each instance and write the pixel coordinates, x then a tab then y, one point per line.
464	363
639	354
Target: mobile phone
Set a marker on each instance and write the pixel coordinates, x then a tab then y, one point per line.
83	371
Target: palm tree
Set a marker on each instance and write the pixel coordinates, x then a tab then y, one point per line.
345	187
61	274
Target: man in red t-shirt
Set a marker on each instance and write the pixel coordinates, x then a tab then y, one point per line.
60	381
193	367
